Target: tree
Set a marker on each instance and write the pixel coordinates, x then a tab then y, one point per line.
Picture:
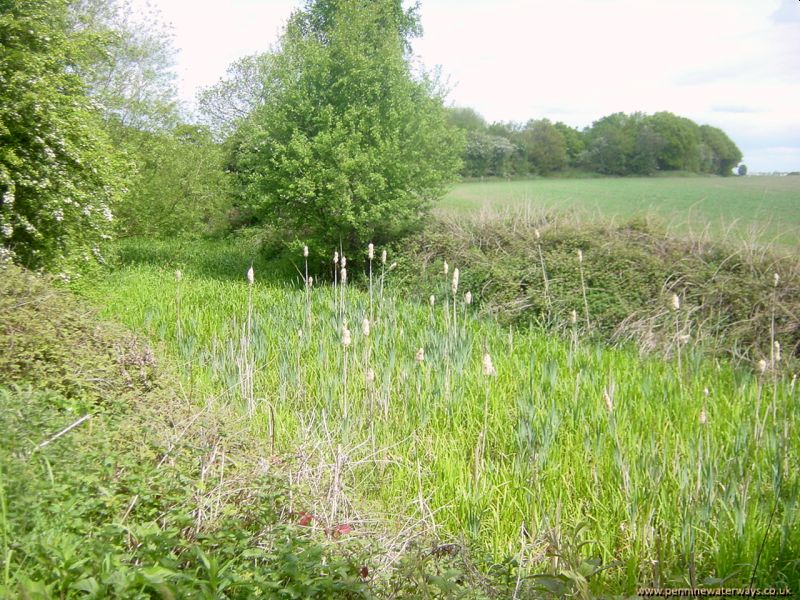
466	119
723	154
574	141
348	147
226	104
59	175
544	146
680	142
742	170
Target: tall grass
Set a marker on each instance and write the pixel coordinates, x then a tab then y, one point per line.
483	434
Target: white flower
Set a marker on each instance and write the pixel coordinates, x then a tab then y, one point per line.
488	367
8	198
305	251
87	211
107	214
7	230
58	215
370	251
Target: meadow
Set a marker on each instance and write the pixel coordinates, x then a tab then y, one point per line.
567	465
766	209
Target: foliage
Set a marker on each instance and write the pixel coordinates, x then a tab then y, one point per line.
348	146
59	175
181	187
487	457
628	270
544	146
742	170
226	104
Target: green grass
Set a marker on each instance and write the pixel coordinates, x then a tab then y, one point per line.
764	208
664	498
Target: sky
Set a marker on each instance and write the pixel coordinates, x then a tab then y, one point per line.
734	64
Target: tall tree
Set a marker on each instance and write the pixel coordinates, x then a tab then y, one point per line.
349	146
544	147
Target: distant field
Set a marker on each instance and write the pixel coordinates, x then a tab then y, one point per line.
764	208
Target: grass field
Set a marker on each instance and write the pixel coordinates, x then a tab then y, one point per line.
762	208
666	472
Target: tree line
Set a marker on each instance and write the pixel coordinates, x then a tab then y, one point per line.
618	144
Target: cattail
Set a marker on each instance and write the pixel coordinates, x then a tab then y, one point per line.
446	268
370	251
369	376
346	337
573	317
343	274
305	251
383	257
251	275
676	302
580	255
762	366
420	356
776	279
343	260
336	257
777	350
468	298
536	234
365	327
488	367
310	281
703	418
178	275
454	286
432	300
609	401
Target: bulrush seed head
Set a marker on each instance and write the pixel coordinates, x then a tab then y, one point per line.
346	337
573	317
446	268
776	279
706	393
609	401
580	255
336	257
178	275
251	277
454	287
343	261
420	356
777	351
343	274
310	281
676	302
369	376
383	257
370	251
703	418
392	266
488	367
536	234
468	298
365	327
305	251
432	300
762	366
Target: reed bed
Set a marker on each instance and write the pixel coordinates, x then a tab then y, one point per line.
521	443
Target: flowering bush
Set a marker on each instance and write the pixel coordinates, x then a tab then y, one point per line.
59	176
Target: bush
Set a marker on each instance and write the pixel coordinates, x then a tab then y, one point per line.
630	271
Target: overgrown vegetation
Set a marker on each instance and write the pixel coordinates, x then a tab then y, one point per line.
524	269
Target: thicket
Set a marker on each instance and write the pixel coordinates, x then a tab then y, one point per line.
736	298
618	144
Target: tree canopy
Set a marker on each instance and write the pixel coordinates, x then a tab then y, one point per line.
349	145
